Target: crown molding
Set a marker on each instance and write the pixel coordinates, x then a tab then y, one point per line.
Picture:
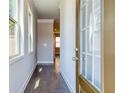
45	20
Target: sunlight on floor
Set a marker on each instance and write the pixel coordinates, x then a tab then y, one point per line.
40	69
37	84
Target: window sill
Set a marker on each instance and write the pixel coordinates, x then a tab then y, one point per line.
16	59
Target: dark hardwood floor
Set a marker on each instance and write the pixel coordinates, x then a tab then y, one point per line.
47	79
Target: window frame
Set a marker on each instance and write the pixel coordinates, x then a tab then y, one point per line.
15	20
30	32
58	41
20	30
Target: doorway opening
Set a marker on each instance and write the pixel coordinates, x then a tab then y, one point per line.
57	44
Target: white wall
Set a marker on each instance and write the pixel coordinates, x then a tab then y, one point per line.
45	41
67	34
21	69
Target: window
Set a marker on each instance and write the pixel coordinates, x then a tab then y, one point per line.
90	33
14	34
57	41
30	31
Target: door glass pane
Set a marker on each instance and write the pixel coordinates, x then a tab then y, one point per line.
89	21
97	30
97	72
89	17
97	4
89	68
97	17
83	1
83	41
83	17
90	40
97	44
83	64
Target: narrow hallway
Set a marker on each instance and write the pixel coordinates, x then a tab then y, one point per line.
47	79
78	31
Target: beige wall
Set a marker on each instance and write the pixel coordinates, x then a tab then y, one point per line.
109	46
45	41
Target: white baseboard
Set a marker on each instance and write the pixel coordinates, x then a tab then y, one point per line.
45	62
27	80
72	90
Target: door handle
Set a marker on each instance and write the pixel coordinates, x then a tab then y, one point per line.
75	59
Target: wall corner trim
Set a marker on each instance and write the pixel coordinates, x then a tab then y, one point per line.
45	21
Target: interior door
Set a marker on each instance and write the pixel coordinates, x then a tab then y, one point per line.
88	43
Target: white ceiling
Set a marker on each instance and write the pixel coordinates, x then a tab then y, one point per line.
47	8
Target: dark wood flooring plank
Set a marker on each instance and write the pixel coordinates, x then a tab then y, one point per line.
47	79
